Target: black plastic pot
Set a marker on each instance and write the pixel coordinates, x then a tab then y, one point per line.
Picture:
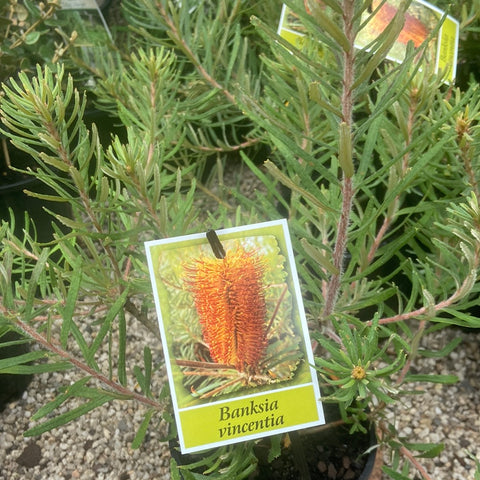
13	198
12	386
329	451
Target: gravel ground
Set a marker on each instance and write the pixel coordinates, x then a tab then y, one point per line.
448	414
97	446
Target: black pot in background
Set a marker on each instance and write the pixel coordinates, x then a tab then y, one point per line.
328	450
12	386
13	197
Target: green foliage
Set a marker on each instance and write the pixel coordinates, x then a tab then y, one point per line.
373	163
25	37
233	461
37	32
477	465
74	277
353	365
222	54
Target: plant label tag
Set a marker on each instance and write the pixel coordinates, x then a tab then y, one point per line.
81	19
435	46
78	4
234	335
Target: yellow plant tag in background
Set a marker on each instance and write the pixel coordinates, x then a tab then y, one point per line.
234	334
421	20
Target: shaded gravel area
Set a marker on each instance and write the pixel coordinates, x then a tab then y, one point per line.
96	446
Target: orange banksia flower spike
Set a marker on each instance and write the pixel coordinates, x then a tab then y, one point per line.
229	298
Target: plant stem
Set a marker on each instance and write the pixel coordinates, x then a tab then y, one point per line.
347	183
299	456
411	458
65	157
457	295
44	15
384	430
413	353
340	246
142	317
84	367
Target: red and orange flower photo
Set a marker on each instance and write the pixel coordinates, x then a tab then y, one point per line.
230	315
230	301
434	45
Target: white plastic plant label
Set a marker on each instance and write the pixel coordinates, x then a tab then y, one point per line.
78	4
234	334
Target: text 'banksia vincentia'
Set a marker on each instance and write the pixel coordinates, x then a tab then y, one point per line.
230	302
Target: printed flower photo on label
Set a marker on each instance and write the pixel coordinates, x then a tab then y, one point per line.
233	324
432	34
419	23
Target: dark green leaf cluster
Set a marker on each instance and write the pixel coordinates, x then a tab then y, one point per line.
28	36
215	49
358	365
